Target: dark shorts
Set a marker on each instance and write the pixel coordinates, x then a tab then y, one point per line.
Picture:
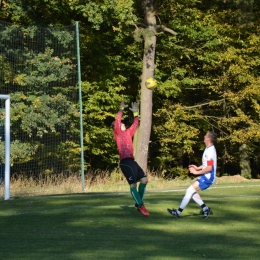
132	171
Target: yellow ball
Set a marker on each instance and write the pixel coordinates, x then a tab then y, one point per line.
151	83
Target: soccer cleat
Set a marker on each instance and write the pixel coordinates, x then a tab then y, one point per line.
207	212
144	211
174	212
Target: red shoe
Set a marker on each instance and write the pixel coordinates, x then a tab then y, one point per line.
144	211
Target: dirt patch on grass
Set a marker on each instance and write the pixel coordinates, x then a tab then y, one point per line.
235	179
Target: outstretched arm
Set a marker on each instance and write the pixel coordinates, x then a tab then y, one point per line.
117	123
135	110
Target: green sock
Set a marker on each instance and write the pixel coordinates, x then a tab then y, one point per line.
141	190
136	196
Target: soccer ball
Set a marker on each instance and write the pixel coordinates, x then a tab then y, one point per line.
151	83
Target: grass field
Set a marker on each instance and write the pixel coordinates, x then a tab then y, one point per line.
107	226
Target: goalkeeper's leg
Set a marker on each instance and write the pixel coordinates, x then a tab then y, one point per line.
142	187
136	196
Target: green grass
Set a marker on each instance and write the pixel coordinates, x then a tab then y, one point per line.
107	226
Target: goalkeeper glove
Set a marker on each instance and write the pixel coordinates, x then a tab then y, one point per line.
123	106
135	108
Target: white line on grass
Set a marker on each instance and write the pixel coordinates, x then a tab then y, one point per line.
212	187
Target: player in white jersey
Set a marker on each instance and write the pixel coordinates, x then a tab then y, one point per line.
207	172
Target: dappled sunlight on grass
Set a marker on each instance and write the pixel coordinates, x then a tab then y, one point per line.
105	225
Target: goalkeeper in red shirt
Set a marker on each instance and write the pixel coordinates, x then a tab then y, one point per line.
130	168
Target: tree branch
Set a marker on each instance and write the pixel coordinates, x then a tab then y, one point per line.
140	24
165	29
157	27
203	104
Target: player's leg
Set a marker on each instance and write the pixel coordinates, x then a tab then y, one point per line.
128	169
141	176
135	195
196	197
191	192
142	187
201	184
186	199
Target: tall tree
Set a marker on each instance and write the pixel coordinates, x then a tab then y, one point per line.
150	32
216	77
146	27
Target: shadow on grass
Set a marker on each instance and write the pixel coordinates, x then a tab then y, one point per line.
107	226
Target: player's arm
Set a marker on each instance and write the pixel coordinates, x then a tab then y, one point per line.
195	167
200	169
117	123
135	110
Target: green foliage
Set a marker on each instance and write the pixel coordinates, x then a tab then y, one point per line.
42	114
208	74
213	62
172	172
43	69
176	133
114	13
38	69
99	112
21	152
37	12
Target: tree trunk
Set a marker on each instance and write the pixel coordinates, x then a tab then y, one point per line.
245	162
146	104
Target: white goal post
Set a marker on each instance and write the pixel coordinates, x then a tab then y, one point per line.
7	146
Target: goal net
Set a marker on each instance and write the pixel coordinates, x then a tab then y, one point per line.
38	69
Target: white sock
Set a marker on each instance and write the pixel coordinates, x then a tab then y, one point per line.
186	199
196	197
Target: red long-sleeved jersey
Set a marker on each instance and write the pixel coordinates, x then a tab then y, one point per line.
123	139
